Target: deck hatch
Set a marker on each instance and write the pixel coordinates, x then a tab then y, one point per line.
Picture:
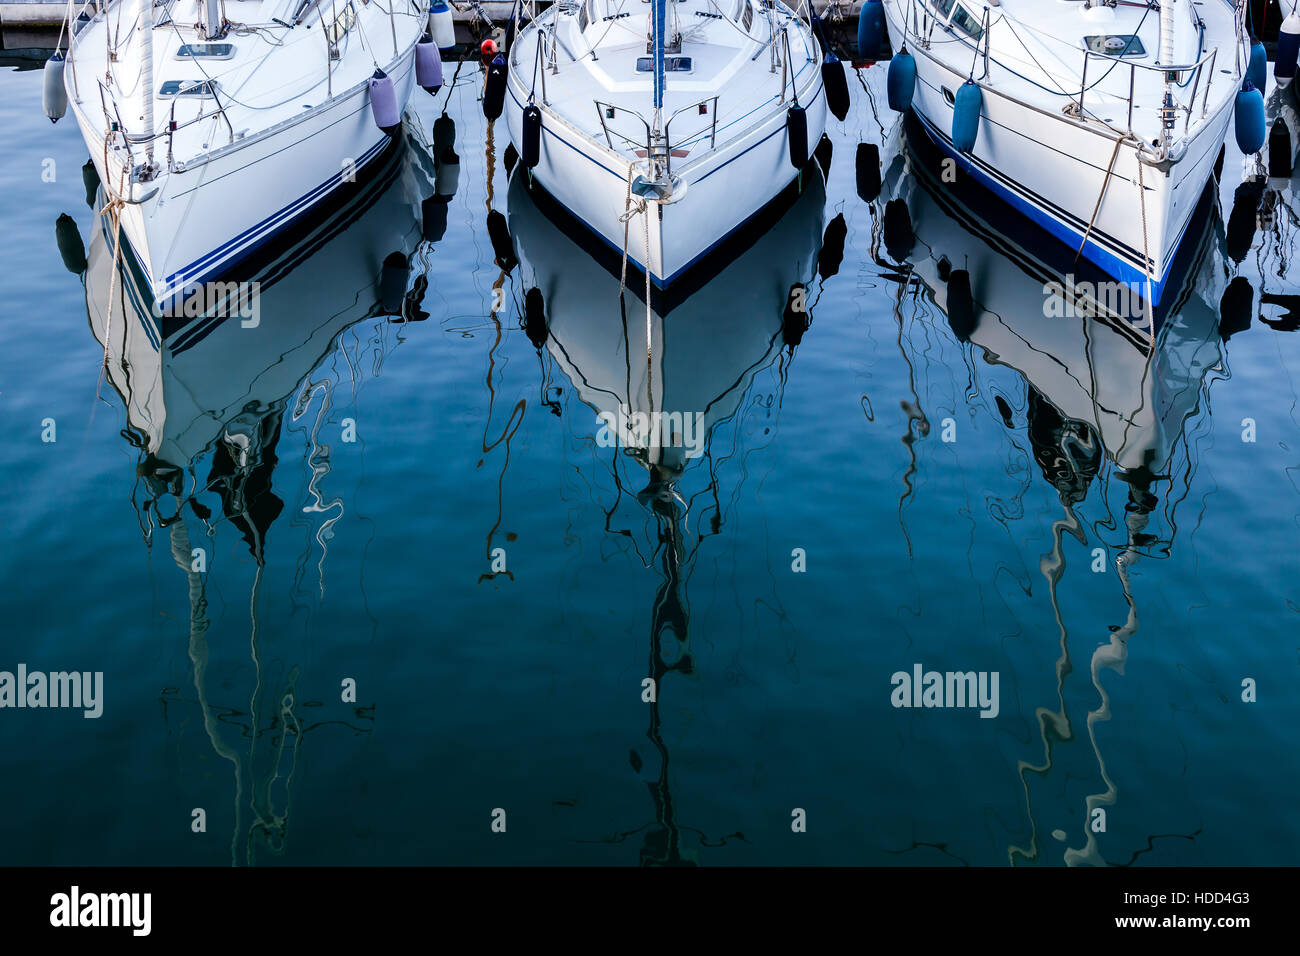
965	21
672	64
205	51
1120	44
189	88
344	22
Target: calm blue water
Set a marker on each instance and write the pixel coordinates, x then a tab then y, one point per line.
948	489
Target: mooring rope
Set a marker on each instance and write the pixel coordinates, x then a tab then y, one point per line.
630	209
649	325
66	22
1142	201
113	208
1146	258
628	212
1100	196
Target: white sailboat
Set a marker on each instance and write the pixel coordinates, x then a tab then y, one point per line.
212	137
664	125
1099	120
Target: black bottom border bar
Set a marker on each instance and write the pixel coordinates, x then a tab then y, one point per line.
333	904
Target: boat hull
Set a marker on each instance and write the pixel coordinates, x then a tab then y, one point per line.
716	195
184	379
208	216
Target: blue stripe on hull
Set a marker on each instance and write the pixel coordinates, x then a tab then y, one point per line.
633	263
182	333
1119	268
140	302
686	279
659	281
213	264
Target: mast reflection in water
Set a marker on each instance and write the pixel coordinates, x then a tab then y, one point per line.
1106	400
688	358
210	391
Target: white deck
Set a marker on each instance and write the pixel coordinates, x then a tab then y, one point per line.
1074	130
599	64
1036	54
274	75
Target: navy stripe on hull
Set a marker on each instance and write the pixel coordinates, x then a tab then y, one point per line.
293	239
977	208
1119	260
659	282
215	263
692	277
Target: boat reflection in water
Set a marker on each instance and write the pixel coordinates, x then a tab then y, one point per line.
1104	399
187	377
1261	230
687	363
213	391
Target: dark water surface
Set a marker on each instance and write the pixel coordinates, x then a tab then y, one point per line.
953	474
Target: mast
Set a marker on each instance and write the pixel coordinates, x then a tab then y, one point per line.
657	154
1167	31
1167	60
659	9
146	84
212	27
